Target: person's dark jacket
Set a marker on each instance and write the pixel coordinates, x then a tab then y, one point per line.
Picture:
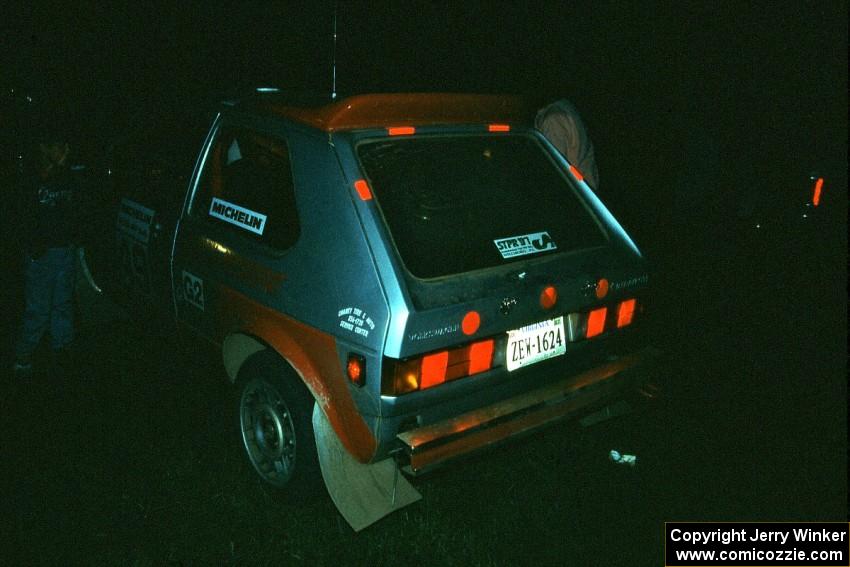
47	216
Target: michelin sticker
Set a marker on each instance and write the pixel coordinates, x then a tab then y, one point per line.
524	244
355	320
193	290
238	216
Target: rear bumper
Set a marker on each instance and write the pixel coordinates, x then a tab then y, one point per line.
431	445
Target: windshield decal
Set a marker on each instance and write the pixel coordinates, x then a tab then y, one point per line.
524	244
239	216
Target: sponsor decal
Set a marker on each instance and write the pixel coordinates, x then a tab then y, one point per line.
135	220
193	290
525	244
355	320
238	216
133	226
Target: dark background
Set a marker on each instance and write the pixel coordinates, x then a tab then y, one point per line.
705	117
763	83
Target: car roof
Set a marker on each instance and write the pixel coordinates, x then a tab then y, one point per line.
382	110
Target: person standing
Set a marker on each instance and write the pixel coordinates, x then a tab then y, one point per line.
562	125
47	233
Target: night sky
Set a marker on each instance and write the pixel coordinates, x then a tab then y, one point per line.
614	59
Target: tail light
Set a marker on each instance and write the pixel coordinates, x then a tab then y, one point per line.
600	320
596	322
625	312
433	369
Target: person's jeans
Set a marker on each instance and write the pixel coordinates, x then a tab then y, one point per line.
49	289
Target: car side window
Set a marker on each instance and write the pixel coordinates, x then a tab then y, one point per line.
247	188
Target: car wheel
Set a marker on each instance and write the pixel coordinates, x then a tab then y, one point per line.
275	423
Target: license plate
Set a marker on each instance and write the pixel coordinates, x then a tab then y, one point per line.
535	343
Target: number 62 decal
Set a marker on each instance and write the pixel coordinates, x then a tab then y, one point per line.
193	290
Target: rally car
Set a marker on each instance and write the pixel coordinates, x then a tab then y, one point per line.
394	281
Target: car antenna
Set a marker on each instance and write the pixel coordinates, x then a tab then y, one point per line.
333	86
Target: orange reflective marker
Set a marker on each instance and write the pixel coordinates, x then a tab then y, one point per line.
498	128
601	288
471	322
480	356
818	188
363	190
548	297
401	130
576	173
434	369
354	369
596	322
625	313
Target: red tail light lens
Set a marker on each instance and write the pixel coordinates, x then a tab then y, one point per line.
436	368
480	356
625	313
596	322
498	128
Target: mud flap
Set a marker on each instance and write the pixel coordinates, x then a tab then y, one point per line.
363	494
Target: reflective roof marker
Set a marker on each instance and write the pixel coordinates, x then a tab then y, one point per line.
401	130
576	173
363	190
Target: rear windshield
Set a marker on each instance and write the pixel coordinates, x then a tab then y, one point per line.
462	203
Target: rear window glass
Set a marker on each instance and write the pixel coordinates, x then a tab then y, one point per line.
462	203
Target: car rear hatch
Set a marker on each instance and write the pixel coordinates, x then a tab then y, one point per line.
514	273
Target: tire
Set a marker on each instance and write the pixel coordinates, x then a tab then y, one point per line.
276	427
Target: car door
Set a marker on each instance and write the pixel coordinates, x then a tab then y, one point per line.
240	219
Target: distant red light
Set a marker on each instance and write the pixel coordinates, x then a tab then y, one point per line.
363	190
471	322
818	188
499	127
401	131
